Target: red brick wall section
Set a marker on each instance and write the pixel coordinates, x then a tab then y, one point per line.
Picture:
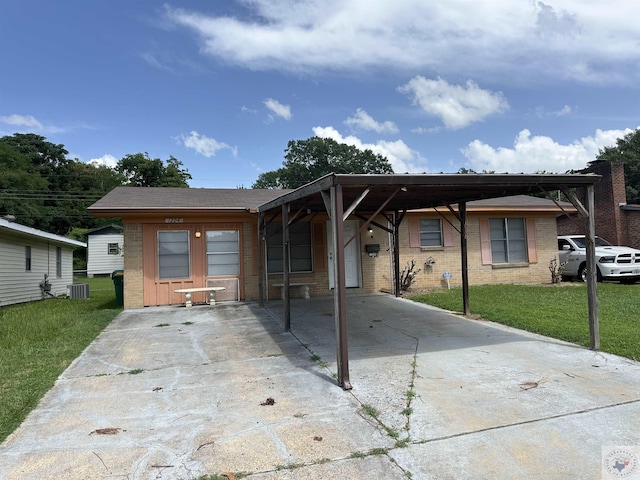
632	218
609	194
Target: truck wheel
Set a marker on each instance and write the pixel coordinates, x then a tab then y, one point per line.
582	273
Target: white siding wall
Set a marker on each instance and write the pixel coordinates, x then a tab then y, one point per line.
99	262
18	285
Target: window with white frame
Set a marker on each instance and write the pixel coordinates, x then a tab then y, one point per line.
223	253
508	240
173	254
113	249
300	258
431	232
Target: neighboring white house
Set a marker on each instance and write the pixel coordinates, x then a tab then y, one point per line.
104	250
33	264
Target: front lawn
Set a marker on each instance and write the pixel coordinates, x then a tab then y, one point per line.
558	311
38	341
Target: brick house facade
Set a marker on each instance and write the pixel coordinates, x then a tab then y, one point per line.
198	215
615	220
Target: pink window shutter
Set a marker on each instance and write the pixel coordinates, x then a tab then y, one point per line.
414	232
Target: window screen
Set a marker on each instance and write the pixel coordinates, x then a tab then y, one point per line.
223	253
431	232
508	240
173	254
300	259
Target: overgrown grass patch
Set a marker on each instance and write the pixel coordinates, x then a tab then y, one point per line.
39	340
558	311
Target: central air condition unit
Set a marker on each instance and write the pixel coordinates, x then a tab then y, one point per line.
78	290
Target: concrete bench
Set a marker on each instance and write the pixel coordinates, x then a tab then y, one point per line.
304	288
211	291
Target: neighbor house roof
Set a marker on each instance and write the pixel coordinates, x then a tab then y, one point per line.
158	199
107	229
520	203
32	232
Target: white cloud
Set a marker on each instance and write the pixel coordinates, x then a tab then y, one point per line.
363	121
29	123
566	110
402	158
278	108
105	160
204	145
541	112
22	121
539	153
573	39
456	105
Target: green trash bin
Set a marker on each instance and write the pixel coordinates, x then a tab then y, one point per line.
118	282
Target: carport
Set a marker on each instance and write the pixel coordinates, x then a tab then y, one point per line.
366	197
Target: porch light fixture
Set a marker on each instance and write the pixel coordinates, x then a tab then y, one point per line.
198	234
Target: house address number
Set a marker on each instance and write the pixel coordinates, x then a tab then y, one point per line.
173	220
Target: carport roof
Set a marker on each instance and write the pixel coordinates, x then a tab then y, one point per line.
416	191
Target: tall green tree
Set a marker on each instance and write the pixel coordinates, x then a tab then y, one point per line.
627	151
139	170
20	186
308	160
44	189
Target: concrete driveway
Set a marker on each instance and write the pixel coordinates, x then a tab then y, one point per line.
171	393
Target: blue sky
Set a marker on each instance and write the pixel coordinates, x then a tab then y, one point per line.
504	85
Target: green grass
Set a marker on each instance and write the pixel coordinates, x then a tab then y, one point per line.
38	341
555	311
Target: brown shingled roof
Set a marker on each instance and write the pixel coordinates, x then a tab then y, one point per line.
183	199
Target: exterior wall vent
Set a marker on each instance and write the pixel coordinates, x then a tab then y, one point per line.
78	290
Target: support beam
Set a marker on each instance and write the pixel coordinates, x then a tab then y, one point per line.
464	262
261	270
355	204
285	267
592	278
339	289
396	253
371	217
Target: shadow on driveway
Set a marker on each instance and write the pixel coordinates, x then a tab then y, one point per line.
171	393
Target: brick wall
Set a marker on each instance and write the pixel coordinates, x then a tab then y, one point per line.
632	221
609	194
134	277
377	271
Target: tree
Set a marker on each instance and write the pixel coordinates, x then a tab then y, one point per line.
627	151
44	189
308	160
139	170
20	185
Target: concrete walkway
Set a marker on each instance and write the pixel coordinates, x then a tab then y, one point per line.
171	393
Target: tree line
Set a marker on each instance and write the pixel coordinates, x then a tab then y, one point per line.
40	187
44	189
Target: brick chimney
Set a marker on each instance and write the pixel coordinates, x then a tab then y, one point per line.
609	194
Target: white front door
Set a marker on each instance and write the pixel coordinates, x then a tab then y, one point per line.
351	254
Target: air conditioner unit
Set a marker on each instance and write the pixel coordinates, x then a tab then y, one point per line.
78	290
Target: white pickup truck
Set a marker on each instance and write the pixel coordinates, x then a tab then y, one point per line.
613	262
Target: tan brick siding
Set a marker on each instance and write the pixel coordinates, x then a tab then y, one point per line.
376	271
134	277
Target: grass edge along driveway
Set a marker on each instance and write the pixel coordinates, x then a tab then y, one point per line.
559	311
39	340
